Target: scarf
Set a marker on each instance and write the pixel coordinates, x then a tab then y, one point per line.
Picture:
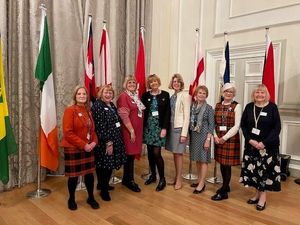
197	116
134	96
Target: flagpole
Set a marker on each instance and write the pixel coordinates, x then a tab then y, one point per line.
190	175
39	192
214	179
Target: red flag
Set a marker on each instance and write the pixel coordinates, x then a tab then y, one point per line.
104	63
199	65
268	78
140	73
89	74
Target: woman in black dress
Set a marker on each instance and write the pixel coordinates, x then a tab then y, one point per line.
261	128
156	124
110	153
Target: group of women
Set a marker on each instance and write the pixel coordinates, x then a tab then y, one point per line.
105	137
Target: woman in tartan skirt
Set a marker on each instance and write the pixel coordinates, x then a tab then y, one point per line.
227	140
79	140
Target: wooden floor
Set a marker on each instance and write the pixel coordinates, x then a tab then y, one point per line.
150	207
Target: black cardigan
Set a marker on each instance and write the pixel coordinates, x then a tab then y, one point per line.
164	109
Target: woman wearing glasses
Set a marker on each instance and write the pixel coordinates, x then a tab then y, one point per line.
227	140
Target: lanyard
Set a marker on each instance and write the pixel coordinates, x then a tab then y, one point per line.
86	121
224	115
254	114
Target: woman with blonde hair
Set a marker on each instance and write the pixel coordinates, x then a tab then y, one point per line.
130	109
110	153
79	141
180	103
261	128
156	124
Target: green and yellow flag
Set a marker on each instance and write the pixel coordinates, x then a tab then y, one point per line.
8	143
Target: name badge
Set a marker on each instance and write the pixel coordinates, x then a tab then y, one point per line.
118	124
255	131
263	113
106	108
223	128
155	113
88	136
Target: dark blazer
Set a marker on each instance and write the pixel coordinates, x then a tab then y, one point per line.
164	109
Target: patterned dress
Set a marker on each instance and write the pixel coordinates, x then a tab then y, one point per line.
197	139
152	129
261	168
108	128
229	152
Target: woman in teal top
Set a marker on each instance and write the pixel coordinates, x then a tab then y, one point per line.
156	124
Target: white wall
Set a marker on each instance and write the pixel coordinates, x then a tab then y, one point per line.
173	41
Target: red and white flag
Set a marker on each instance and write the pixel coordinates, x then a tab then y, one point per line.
89	73
199	65
104	62
268	78
140	72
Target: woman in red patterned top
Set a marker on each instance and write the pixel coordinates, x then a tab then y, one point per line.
130	109
79	140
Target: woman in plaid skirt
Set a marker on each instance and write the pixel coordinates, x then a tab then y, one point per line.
79	140
227	140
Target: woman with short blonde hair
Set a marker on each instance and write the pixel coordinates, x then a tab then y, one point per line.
261	128
131	111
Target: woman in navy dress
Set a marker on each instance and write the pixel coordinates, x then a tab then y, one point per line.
110	153
261	128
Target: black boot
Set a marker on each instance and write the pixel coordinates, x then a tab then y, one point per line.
105	196
89	183
72	183
151	179
128	177
161	185
72	204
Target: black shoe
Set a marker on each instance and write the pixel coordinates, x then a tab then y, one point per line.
132	186
252	202
72	205
110	188
193	185
199	191
161	185
219	196
93	203
151	179
105	196
261	207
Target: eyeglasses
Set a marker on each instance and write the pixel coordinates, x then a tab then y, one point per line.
227	91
